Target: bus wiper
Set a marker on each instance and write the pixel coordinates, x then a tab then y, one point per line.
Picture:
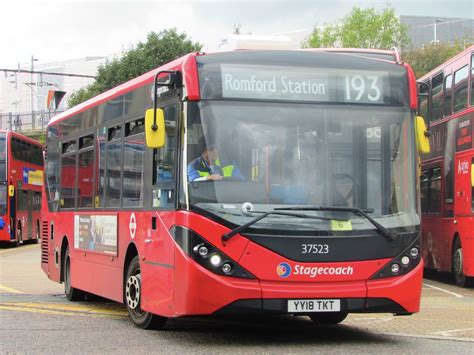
227	236
357	211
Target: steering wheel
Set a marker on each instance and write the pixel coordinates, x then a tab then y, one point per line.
342	176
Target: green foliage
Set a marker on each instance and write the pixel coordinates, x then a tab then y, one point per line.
160	48
425	59
362	28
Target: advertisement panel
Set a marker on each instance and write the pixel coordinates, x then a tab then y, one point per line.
96	233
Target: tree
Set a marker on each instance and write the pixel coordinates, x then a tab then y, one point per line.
159	48
362	28
423	60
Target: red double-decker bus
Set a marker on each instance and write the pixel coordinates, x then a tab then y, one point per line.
447	183
21	180
241	182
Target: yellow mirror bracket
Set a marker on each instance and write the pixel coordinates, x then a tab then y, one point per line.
422	140
472	175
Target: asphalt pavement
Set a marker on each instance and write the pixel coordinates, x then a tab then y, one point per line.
35	317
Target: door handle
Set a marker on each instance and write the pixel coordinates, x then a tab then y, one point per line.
148	241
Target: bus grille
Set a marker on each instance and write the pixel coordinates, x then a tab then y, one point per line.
44	243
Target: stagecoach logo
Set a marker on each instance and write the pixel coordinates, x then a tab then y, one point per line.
132	225
283	270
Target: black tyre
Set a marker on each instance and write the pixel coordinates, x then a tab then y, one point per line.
37	236
328	318
19	236
141	319
72	294
457	267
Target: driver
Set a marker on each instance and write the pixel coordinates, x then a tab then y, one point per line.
208	166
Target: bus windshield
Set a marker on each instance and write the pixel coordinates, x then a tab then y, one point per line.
247	157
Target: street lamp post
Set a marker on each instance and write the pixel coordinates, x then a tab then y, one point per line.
33	60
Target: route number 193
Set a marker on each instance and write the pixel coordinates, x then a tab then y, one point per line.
363	88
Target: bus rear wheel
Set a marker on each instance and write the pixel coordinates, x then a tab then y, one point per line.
72	294
133	289
19	236
457	259
328	318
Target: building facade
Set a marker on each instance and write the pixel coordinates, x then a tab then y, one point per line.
23	99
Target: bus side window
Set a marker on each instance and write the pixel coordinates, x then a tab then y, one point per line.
472	79
424	180
437	98
460	89
448	83
133	158
164	160
114	167
435	190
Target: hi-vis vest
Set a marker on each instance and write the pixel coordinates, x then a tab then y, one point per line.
226	170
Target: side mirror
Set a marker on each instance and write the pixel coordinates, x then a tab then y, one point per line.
155	128
422	140
11	190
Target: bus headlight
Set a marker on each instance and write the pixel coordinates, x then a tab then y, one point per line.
414	252
216	260
395	268
405	260
206	255
402	264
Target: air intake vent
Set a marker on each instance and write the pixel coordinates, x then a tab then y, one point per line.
44	243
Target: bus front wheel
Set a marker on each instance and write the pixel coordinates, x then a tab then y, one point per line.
133	289
72	294
328	318
461	279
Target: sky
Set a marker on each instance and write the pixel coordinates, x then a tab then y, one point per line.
60	30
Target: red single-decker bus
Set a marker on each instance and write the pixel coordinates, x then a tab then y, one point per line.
240	182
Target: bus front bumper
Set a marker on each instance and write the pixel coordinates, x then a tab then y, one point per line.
203	293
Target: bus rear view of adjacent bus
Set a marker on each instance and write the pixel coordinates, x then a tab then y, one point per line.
258	182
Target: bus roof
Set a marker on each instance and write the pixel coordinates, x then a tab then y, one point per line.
383	54
447	63
188	64
128	86
22	136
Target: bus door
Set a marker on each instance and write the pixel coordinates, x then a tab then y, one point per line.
29	216
13	215
22	216
463	186
158	271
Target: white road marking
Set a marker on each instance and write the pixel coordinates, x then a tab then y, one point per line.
447	333
457	295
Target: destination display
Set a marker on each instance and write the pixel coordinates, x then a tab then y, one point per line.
271	82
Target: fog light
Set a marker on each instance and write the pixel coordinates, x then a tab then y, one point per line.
414	252
395	268
405	260
215	260
226	268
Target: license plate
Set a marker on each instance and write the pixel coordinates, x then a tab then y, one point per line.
295	306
